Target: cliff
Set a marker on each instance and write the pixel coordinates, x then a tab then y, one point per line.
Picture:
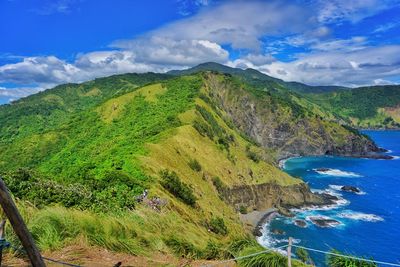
281	124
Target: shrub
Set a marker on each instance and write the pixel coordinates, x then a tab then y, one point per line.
219	185
340	261
203	129
214	251
239	244
175	186
243	210
271	259
302	254
217	225
183	248
252	155
194	165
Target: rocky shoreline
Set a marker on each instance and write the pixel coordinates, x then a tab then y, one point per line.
371	155
270	214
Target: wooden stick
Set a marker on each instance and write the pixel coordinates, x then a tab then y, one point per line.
289	253
2	239
18	224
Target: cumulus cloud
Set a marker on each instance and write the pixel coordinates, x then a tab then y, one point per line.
243	26
38	70
238	23
14	93
167	51
369	65
335	11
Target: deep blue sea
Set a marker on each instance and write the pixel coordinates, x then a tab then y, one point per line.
370	221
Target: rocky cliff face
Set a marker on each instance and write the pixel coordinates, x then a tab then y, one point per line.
279	123
268	195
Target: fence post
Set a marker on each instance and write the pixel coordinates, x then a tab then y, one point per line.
289	253
18	224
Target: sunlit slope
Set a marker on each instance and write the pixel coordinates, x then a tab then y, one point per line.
365	107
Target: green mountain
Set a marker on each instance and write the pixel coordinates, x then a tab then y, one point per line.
252	74
364	107
204	145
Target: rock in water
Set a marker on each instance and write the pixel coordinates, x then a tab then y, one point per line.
300	223
349	188
322	169
278	232
324	222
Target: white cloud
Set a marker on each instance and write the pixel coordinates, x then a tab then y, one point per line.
335	11
38	70
51	7
238	23
14	93
386	27
242	25
350	68
167	51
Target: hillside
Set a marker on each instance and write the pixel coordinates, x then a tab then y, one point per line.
252	74
364	107
204	145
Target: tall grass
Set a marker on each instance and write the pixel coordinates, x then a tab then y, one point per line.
341	261
55	227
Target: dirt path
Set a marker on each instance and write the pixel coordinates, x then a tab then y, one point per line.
100	257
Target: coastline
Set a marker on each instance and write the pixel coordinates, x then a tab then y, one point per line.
256	219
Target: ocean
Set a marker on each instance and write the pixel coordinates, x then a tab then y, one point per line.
369	221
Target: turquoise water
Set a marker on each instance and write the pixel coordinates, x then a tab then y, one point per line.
369	222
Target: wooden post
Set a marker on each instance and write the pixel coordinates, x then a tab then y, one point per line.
2	238
18	224
289	253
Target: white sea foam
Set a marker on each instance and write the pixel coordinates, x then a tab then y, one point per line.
339	188
395	157
359	216
282	163
336	172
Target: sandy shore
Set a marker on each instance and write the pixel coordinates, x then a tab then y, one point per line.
256	219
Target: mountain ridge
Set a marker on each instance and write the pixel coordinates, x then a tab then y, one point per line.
204	145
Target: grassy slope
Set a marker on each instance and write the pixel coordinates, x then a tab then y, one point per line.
365	106
138	133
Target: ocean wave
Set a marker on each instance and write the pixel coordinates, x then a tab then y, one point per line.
395	157
282	162
359	216
336	172
269	241
339	188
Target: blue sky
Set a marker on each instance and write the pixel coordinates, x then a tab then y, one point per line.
338	42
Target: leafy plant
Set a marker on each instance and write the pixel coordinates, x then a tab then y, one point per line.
194	165
219	185
183	248
217	225
175	186
303	255
243	210
343	261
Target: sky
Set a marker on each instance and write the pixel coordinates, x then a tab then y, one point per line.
318	42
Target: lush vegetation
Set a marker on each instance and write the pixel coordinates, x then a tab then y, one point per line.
83	154
175	186
217	225
339	261
364	106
